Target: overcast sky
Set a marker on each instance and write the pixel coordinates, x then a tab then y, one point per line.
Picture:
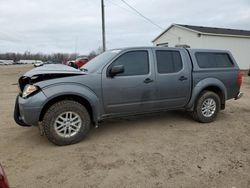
50	26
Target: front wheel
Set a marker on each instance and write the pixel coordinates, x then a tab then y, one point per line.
66	122
207	107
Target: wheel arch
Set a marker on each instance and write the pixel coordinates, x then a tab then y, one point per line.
218	91
73	97
210	84
75	92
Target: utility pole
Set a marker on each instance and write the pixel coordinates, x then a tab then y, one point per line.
103	28
76	43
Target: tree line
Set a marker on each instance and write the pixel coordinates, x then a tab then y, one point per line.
55	57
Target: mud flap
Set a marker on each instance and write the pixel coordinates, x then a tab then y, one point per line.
41	130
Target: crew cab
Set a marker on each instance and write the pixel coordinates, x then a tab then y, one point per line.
64	102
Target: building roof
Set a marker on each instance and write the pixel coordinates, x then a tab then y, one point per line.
210	31
217	30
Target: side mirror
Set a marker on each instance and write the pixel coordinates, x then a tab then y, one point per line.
116	70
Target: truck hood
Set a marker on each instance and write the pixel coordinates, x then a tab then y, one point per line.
48	72
53	69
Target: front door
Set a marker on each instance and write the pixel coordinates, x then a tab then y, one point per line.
134	89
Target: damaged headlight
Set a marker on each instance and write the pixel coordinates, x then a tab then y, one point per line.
29	89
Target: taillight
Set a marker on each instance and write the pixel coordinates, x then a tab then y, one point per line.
239	78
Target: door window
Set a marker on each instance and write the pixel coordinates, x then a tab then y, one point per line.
168	61
134	62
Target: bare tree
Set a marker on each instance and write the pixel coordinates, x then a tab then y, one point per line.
56	57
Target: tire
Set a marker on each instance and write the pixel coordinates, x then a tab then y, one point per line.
66	122
203	110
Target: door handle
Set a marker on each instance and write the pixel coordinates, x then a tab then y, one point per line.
182	78
148	80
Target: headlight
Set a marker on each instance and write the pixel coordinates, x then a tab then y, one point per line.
29	89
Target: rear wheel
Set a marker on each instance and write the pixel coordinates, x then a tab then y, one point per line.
66	122
207	107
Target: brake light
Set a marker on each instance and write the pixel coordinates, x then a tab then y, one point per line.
239	78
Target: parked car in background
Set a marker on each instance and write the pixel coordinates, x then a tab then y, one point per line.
72	64
6	62
24	61
46	63
64	101
79	62
3	179
38	64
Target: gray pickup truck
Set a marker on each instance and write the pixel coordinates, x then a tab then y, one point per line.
64	102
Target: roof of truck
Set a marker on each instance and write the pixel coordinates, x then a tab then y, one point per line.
159	47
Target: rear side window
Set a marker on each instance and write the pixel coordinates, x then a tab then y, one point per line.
134	62
168	61
213	60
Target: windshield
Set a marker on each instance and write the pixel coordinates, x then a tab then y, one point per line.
95	63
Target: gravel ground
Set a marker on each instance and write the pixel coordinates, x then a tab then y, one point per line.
158	150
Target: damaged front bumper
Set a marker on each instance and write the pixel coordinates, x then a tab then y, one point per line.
27	111
17	116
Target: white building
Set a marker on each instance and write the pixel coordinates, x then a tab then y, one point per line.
236	41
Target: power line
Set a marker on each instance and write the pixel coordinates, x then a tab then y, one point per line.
121	7
146	18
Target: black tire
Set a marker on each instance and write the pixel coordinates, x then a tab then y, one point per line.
55	111
197	113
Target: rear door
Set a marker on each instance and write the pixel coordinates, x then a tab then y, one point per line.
133	90
173	77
